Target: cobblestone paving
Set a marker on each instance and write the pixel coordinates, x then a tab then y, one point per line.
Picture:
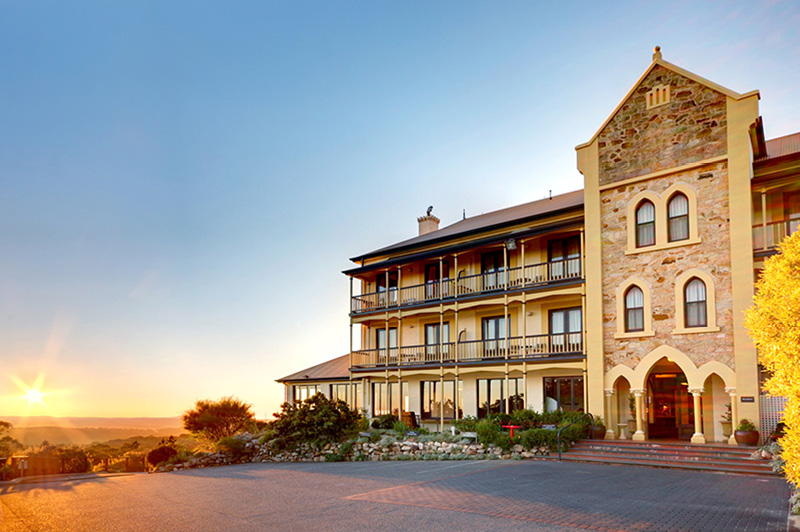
604	498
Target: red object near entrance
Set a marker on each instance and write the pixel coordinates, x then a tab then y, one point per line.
511	428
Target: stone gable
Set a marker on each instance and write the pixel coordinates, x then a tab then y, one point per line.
660	268
690	128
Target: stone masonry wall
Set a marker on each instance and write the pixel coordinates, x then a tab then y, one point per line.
660	269
690	128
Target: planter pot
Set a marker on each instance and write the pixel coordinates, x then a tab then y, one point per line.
726	428
746	437
599	432
631	427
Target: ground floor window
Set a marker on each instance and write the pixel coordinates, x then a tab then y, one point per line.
349	393
437	397
492	399
387	398
563	393
304	391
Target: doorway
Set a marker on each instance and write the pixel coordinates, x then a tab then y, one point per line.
671	408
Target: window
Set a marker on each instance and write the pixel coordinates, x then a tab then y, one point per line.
791	203
340	392
492	268
494	336
566	330
492	400
386	350
634	309
564	256
678	214
563	393
432	280
304	391
434	335
386	398
435	399
645	224
381	281
695	310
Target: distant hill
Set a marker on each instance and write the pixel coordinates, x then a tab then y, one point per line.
90	422
85	430
58	435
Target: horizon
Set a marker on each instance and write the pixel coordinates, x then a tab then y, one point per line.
185	183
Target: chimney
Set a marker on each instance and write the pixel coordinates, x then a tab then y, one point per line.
428	223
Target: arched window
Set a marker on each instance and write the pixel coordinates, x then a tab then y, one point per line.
695	310
678	214
634	309
645	224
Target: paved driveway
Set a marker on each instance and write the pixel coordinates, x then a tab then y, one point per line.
430	496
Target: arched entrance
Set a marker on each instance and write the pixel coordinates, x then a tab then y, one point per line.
669	406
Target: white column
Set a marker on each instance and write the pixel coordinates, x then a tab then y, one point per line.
734	414
639	434
698	436
610	435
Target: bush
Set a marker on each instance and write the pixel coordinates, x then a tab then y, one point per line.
400	428
218	419
161	454
316	421
466	424
490	433
386	422
232	446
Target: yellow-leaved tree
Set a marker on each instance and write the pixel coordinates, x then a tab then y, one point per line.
774	325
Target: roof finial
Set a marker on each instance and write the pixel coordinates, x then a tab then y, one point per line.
656	53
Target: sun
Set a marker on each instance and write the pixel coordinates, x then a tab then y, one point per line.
34	396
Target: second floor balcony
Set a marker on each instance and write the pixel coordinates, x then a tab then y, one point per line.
531	276
515	348
768	236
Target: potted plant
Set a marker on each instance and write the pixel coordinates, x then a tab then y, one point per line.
632	412
746	433
599	428
727	419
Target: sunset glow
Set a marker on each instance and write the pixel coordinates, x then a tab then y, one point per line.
34	396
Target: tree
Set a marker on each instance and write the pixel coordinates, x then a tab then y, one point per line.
774	325
8	445
217	419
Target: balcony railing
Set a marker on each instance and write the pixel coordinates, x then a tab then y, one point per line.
529	276
766	237
535	346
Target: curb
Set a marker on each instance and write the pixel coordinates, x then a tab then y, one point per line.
41	479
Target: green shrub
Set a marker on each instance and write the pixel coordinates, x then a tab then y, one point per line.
233	446
400	428
490	433
161	454
386	422
315	421
466	424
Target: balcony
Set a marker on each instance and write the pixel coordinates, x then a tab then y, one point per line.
513	279
767	237
516	348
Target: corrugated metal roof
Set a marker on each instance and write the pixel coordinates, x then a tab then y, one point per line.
485	221
337	368
781	147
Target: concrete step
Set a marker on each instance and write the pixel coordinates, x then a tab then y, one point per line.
722	458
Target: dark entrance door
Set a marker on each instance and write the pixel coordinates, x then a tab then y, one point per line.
671	409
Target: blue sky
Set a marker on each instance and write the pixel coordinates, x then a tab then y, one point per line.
182	184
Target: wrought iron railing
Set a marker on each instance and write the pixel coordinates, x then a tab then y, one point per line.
534	346
532	275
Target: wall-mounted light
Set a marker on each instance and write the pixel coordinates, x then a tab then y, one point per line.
511	244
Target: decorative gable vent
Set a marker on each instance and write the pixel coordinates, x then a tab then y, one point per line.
658	95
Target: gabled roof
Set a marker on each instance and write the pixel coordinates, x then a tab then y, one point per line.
781	147
484	222
335	369
658	61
